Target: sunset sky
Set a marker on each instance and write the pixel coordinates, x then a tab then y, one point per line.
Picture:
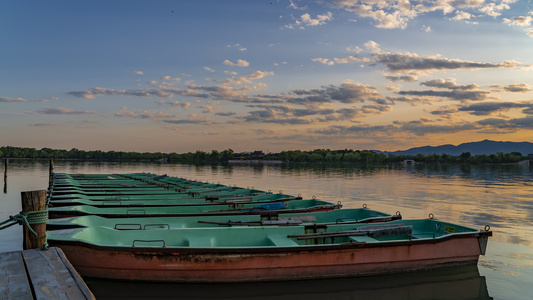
180	76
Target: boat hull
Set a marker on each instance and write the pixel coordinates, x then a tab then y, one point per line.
270	263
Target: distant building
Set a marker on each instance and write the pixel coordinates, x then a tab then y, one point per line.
258	155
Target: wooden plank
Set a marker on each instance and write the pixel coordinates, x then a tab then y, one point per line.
13	280
50	278
81	284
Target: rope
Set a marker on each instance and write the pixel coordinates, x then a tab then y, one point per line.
27	218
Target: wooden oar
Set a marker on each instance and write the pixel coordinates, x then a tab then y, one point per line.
380	230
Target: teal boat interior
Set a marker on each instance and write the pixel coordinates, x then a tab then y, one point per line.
237	207
338	216
260	237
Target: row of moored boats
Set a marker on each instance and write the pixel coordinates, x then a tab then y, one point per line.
158	228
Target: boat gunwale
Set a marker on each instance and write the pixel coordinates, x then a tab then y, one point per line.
272	249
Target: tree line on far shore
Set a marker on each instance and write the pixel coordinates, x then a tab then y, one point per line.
313	156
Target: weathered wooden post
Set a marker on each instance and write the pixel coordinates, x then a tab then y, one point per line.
51	173
6	162
51	167
33	202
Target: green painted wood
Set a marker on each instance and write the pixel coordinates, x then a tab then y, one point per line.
260	237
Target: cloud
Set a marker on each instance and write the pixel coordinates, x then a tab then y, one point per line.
356	130
324	61
483	109
168	77
245	85
393	14
493	9
92	93
63	111
272	115
518	21
449	84
397	14
124	112
410	77
183	105
509	125
9	99
444	111
192	119
306	20
238	46
345	60
48	99
513	88
239	63
208	69
411	62
187	93
421	128
354	49
348	92
138	72
226	114
462	15
295	6
453	95
43	124
407	62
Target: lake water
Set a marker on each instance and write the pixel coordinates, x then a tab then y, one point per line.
499	196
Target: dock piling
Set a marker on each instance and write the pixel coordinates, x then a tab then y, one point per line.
6	162
32	203
51	173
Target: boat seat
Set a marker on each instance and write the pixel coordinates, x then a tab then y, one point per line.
362	239
281	241
198	241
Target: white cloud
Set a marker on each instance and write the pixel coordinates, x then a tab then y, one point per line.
239	63
9	99
238	46
518	21
494	10
345	60
63	111
462	15
307	20
295	6
354	49
324	61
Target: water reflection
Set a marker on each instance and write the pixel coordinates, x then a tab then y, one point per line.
501	196
452	283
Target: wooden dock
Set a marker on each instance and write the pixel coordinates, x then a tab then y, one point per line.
40	274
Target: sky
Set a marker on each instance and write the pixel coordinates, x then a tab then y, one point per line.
183	76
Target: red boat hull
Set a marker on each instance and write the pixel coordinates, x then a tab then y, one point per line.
271	264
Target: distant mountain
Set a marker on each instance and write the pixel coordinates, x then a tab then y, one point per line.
475	148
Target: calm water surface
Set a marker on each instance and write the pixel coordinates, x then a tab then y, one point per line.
499	196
